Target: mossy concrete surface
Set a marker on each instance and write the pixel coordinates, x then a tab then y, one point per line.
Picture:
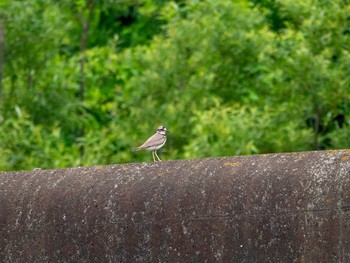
292	207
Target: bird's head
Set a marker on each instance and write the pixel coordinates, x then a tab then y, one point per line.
162	129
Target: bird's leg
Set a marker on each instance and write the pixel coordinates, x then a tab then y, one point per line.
154	160
155	152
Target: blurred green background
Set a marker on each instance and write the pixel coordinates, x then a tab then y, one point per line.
83	82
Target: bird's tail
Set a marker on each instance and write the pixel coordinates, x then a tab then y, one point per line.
136	149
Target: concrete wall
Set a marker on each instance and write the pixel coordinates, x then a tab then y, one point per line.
264	208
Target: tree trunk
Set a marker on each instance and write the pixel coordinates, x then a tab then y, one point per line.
83	40
2	46
317	127
85	24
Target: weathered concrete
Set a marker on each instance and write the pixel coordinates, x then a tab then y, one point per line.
263	208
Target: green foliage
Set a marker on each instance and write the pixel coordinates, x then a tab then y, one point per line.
27	146
240	129
226	77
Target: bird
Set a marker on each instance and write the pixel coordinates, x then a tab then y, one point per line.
155	142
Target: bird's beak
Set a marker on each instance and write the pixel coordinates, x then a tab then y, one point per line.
167	131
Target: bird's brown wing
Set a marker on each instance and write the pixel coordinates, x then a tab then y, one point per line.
154	140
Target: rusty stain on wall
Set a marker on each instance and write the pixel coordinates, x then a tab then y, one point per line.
233	164
345	158
291	207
